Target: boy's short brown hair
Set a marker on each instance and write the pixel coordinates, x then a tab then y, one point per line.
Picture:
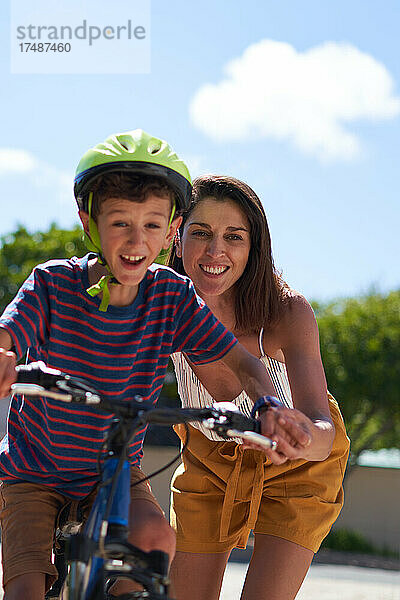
130	187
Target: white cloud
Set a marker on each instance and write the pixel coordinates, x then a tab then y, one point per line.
40	174
13	161
308	98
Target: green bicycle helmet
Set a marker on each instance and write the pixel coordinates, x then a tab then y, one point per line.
133	152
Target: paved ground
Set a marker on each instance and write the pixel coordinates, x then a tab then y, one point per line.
328	582
325	582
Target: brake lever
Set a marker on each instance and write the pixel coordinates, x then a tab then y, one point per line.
78	391
229	422
36	379
37	373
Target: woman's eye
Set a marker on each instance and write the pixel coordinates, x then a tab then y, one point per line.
234	237
200	233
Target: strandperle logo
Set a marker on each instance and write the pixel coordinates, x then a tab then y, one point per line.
91	33
76	37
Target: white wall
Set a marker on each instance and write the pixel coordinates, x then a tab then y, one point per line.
155	457
372	505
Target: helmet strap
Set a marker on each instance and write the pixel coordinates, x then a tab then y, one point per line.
102	286
173	211
93	244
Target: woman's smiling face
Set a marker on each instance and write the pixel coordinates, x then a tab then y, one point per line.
215	246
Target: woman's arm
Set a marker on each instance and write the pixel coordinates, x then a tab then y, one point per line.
298	331
250	371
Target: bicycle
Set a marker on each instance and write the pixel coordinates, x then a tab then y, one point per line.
99	552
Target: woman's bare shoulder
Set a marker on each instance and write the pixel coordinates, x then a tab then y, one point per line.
297	315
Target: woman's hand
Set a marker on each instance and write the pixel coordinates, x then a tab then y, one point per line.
320	432
8	376
288	435
297	436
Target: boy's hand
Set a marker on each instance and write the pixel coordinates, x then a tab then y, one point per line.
291	431
8	375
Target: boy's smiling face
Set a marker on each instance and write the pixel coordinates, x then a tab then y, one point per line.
132	235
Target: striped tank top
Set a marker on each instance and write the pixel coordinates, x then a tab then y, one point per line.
193	394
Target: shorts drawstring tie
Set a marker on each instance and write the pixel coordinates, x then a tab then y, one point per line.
232	489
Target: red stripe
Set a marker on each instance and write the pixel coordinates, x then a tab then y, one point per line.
193	331
30	306
70	424
80	412
43	283
21	456
60	456
14	338
23	332
207	334
186	323
216	357
87	314
62	275
27	445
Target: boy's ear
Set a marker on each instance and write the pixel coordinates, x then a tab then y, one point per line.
84	217
171	233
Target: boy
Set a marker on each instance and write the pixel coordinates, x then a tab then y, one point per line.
130	190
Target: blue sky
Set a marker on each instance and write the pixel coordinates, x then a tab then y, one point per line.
299	99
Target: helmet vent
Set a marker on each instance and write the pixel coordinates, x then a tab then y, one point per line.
127	142
154	146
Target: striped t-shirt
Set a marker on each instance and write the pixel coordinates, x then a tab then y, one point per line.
122	352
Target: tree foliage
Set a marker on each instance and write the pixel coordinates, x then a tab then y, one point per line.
21	251
360	345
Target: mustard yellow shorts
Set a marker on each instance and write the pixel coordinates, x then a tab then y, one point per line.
221	492
28	516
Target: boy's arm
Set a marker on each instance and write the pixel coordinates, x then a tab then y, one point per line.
8	362
250	371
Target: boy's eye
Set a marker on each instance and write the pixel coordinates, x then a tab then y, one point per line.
120	224
153	225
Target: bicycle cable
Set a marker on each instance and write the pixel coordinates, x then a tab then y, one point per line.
170	463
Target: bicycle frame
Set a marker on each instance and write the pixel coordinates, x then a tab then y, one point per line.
106	533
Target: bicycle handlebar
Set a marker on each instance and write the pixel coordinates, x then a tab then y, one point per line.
36	379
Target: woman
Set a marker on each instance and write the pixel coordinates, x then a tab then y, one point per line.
223	490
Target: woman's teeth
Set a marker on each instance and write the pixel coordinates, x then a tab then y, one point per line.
132	259
213	270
